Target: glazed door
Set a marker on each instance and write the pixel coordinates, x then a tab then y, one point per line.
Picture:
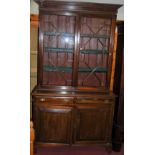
53	124
94	122
95	51
75	50
57	47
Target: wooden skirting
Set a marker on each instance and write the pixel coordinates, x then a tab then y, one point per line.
34	20
32	136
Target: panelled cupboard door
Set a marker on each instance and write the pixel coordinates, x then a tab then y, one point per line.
93	124
53	124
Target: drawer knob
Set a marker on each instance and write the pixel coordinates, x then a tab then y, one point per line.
42	99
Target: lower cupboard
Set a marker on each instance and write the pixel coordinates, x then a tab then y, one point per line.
73	121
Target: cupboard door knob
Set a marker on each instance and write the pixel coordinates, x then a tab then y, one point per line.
42	99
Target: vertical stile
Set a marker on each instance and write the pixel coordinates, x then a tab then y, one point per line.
47	44
76	52
111	49
57	30
40	53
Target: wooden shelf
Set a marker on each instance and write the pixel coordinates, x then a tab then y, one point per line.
66	34
61	50
95	36
69	69
52	68
95	69
90	51
70	50
60	34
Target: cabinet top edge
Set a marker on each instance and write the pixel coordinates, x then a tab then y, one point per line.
70	88
76	4
70	91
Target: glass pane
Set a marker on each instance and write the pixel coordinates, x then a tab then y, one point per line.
59	34
94	47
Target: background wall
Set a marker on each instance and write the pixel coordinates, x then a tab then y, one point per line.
34	6
33	54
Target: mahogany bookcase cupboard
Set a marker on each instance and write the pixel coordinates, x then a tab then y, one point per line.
72	104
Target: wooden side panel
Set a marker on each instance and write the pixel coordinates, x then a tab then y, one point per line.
118	89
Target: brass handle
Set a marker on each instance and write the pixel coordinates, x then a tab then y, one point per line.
42	99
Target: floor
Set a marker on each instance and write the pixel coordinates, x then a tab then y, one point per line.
76	151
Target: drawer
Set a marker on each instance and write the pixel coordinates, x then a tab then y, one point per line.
94	101
54	100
